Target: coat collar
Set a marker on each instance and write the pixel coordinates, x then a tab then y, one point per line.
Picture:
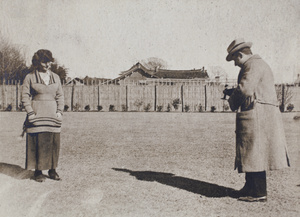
255	56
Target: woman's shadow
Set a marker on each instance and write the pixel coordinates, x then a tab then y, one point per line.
191	185
15	171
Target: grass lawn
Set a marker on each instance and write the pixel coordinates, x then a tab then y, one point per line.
142	164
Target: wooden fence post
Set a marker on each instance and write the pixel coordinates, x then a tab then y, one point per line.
182	98
155	97
282	98
205	98
2	96
5	92
98	95
126	103
72	97
17	95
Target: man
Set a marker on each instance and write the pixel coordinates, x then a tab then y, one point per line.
260	139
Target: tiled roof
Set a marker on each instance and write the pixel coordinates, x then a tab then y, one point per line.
181	74
163	73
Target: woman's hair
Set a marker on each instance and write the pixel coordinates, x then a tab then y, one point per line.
42	56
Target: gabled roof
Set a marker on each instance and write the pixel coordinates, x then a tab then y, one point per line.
136	68
75	81
164	73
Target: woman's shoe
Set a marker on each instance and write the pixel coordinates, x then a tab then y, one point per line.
38	176
53	175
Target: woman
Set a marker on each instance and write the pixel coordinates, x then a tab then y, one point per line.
42	97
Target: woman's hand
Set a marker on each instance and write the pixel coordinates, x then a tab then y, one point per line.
31	117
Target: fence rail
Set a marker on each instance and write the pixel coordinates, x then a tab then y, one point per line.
138	97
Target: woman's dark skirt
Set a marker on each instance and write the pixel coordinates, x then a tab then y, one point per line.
42	150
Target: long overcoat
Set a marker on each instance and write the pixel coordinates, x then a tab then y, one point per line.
260	138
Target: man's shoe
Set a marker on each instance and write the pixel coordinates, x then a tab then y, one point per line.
53	175
253	199
244	192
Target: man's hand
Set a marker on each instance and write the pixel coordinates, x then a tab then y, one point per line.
228	92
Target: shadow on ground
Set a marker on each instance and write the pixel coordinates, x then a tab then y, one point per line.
191	185
15	171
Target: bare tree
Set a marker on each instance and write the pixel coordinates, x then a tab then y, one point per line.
217	72
154	63
12	61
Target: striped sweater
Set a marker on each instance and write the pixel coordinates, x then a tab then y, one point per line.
44	101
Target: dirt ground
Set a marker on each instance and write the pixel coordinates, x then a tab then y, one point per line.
142	164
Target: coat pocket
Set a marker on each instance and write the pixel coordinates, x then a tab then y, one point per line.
45	114
246	139
245	128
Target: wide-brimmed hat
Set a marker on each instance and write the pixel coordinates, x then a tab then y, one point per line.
236	45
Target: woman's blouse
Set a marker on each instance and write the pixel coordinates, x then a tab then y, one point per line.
45	76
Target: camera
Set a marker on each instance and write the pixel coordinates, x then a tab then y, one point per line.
227	92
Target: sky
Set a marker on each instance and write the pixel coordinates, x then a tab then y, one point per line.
102	38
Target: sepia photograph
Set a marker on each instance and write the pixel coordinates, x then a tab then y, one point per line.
138	108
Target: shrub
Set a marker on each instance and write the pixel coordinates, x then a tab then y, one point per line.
175	103
111	108
66	107
200	108
8	108
147	107
159	108
168	107
76	107
226	107
87	108
290	107
213	109
186	108
99	108
138	103
124	108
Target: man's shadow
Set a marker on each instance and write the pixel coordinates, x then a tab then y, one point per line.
15	171
191	185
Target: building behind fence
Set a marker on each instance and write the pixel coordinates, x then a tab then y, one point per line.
192	96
